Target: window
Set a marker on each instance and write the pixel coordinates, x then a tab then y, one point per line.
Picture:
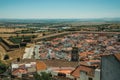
90	78
62	74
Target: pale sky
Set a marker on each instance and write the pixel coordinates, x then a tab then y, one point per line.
59	8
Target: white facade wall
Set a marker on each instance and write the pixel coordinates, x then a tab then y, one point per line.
97	74
84	76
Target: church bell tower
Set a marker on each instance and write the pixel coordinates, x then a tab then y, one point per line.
74	54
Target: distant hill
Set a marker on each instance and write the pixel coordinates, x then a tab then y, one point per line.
59	20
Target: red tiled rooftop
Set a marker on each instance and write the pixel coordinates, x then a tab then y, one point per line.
94	61
117	56
110	48
41	65
16	71
91	41
60	63
84	54
65	71
76	72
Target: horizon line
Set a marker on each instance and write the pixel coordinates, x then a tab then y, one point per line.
65	18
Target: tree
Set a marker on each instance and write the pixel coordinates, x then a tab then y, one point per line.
17	34
45	76
37	76
3	67
6	57
33	36
42	76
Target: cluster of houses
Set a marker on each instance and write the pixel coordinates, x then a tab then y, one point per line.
108	67
72	57
59	69
88	44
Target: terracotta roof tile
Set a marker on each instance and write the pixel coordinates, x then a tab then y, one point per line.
76	72
60	63
40	65
16	71
117	56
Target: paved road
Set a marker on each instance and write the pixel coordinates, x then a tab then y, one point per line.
51	35
82	32
98	32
